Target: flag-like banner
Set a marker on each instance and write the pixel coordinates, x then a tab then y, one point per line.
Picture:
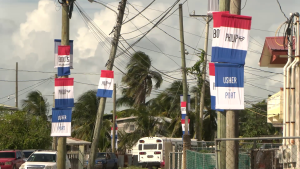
188	101
63	56
183	126
229	84
183	109
64	93
57	42
116	136
61	122
212	83
232	38
106	84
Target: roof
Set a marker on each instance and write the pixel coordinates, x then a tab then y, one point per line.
76	141
274	54
134	117
8	107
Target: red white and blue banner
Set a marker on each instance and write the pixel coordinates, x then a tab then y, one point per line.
233	38
183	126
61	122
229	86
116	136
57	42
188	101
183	109
64	93
106	84
63	58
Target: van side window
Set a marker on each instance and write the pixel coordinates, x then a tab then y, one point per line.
140	146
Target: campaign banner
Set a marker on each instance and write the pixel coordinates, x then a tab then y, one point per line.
188	101
61	122
233	38
183	109
183	126
106	84
229	86
116	135
64	93
212	86
63	56
57	42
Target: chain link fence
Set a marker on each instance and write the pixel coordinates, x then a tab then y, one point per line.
257	153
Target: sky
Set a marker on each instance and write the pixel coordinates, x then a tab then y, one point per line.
28	29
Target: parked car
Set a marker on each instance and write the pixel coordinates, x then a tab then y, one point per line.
27	153
11	159
43	159
105	161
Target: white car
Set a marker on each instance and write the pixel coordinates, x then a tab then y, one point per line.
45	159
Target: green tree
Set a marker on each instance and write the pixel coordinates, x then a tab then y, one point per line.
83	119
253	121
36	104
140	79
22	130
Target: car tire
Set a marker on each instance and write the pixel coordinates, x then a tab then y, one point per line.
115	166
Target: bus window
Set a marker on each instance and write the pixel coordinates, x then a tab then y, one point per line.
140	146
160	146
150	146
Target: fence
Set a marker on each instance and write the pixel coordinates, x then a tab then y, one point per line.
257	153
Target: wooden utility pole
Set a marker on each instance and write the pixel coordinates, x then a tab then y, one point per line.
197	117
17	97
224	5
114	120
62	141
186	136
110	64
232	125
54	141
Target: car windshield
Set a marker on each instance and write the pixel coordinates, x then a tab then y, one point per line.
27	154
101	155
42	158
7	155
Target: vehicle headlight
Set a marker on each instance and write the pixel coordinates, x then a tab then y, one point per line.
8	163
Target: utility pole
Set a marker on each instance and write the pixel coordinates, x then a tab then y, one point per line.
110	64
232	125
65	31
17	85
186	136
114	120
224	5
197	116
54	141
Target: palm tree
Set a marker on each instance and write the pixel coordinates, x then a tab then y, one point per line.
83	119
36	104
140	78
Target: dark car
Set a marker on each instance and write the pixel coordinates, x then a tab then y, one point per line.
105	161
11	159
27	153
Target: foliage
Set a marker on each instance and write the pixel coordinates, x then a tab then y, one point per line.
139	79
36	104
254	121
22	130
83	119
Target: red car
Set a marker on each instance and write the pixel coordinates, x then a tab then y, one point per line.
11	159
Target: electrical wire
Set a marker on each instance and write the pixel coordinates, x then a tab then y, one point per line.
281	10
139	13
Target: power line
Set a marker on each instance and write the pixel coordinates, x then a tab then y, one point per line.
281	10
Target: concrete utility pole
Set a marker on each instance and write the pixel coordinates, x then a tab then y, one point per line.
186	136
62	141
224	5
110	65
17	98
54	141
114	120
232	125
